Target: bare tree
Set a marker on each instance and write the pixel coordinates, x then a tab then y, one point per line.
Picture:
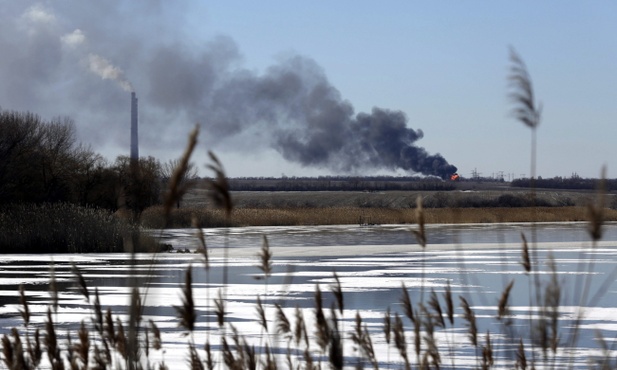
187	180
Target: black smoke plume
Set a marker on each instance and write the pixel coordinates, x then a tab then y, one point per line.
64	59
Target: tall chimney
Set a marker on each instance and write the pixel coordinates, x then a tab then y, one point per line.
134	140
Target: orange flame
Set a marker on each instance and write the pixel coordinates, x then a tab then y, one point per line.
454	177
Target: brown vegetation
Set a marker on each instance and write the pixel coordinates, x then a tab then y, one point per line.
207	217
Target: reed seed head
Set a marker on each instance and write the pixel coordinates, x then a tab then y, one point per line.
265	257
177	186
421	232
470	317
186	312
525	109
338	293
219	187
526	262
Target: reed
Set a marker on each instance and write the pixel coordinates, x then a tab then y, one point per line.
183	218
65	228
102	342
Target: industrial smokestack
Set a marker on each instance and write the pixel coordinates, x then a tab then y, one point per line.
134	126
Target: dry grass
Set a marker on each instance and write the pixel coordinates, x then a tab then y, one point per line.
181	218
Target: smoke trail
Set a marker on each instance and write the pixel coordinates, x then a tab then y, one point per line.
290	107
108	71
294	108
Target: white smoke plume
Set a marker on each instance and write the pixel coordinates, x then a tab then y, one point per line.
107	71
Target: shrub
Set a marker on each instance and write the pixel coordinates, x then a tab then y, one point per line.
65	228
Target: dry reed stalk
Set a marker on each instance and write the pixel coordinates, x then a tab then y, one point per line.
337	290
157	344
522	95
552	300
134	322
261	314
399	340
431	357
24	311
99	360
110	334
228	357
417	342
177	188
288	359
265	257
433	303
250	358
449	303
322	332
387	325
186	312
120	344
82	348
219	303
335	354
595	210
35	351
308	359
7	352
526	262
470	317
421	232
202	248
487	353
210	364
406	301
20	361
194	359
521	359
361	337
283	326
503	309
51	343
605	362
219	187
300	332
98	313
53	288
81	282
269	363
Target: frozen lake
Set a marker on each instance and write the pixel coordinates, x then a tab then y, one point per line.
477	261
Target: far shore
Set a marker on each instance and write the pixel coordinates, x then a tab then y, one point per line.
478	204
300	216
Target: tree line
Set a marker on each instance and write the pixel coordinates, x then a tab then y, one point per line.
338	183
42	162
558	182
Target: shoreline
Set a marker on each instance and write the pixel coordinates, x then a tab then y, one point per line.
310	216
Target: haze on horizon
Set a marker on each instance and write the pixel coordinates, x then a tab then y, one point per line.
303	88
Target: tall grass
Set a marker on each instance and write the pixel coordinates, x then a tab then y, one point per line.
186	217
65	228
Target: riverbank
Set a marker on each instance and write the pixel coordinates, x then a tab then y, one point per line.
208	217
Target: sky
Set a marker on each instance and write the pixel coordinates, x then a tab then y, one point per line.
309	88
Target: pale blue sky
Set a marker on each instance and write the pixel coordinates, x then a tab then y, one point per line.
443	63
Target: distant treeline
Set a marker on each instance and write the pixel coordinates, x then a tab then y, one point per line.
574	183
338	183
41	162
